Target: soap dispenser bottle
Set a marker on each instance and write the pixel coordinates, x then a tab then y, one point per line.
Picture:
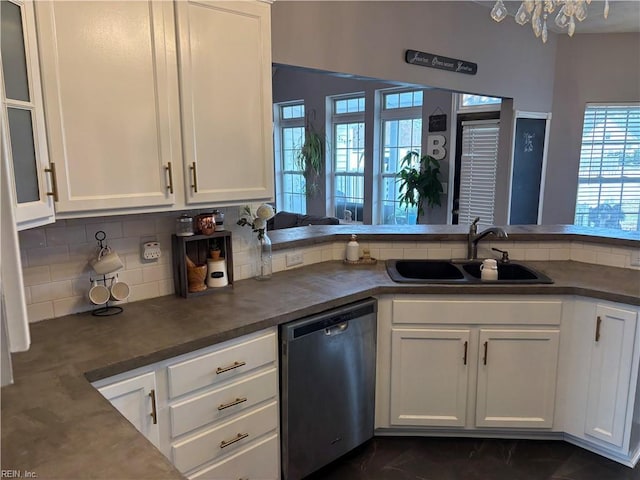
353	249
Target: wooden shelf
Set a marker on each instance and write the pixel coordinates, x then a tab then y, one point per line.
197	247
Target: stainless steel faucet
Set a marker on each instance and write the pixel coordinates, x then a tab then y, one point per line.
474	237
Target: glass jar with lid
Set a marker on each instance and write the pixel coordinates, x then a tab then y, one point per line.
184	225
219	218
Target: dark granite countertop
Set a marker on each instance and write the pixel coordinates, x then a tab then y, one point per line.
315	234
55	424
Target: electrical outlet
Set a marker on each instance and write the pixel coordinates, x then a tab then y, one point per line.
151	251
293	259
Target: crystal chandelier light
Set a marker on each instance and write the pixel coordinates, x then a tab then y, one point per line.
537	11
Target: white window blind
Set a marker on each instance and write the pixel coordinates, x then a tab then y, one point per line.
478	171
609	174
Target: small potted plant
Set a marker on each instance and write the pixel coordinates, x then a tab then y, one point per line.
214	250
419	182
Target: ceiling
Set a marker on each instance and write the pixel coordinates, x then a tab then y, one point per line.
624	16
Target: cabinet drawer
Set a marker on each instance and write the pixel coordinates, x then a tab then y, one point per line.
221	365
477	311
225	438
260	460
222	402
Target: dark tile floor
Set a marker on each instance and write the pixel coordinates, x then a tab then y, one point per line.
405	458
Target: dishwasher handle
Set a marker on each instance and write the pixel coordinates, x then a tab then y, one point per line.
325	322
336	329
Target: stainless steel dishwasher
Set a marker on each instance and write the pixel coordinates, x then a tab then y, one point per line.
327	381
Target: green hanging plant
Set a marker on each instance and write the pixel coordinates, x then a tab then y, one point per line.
311	159
419	183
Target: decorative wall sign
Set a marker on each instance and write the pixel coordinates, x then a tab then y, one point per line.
443	63
438	123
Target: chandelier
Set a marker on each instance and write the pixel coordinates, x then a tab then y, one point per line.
537	11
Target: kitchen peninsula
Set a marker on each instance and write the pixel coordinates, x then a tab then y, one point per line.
54	423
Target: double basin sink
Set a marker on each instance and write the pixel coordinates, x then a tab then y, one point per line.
460	271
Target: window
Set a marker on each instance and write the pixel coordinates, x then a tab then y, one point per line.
609	174
289	138
471	102
478	171
348	131
401	121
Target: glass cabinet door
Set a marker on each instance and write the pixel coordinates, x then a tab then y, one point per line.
26	147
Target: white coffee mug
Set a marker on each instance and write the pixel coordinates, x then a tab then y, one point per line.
98	294
489	269
119	290
106	262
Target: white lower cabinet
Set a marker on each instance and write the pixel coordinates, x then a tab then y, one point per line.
610	373
135	398
255	461
517	377
450	367
599	378
422	359
522	366
217	408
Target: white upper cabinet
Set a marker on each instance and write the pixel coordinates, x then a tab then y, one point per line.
109	73
24	139
225	86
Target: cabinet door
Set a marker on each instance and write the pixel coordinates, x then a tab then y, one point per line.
516	378
111	96
22	113
135	400
611	362
225	83
429	375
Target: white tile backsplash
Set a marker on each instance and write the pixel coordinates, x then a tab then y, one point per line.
57	273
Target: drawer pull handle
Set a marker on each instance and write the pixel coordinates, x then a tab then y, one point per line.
54	181
170	172
220	370
486	347
598	323
237	438
194	185
464	358
154	412
237	401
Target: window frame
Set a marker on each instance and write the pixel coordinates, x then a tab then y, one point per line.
601	180
393	114
280	124
461	109
335	119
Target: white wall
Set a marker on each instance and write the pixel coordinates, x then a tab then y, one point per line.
589	68
370	39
